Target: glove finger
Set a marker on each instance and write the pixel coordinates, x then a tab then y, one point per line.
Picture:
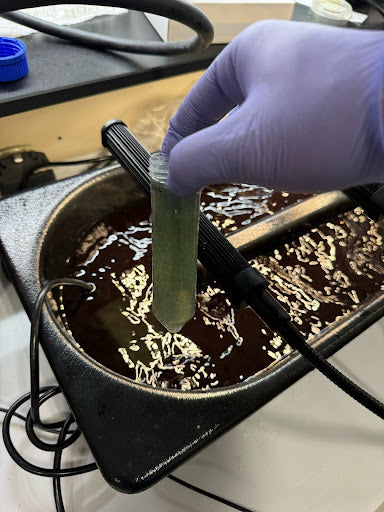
209	100
217	154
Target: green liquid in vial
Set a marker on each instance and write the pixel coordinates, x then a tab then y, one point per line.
174	255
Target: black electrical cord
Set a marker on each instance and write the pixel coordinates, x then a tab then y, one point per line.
269	310
34	347
47	165
17	415
277	319
57	472
208	494
179	10
21	461
244	284
38	396
48	447
57	494
57	468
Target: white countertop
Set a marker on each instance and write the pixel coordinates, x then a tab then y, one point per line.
312	449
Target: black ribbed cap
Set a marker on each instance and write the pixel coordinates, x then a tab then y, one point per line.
216	253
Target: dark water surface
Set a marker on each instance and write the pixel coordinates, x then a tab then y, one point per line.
319	277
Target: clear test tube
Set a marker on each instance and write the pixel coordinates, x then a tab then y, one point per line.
175	222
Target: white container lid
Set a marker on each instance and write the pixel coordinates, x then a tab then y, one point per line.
332	9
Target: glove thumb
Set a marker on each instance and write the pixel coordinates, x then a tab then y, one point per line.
206	157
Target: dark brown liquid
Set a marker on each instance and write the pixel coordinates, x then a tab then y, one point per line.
319	277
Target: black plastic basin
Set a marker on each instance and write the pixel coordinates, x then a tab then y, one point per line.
137	434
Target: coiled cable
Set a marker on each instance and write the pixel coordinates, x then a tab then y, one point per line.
66	436
178	10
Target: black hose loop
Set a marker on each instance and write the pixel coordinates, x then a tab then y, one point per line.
178	10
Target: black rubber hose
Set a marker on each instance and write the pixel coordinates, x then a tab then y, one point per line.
278	320
34	348
57	465
208	494
42	445
23	463
178	10
236	276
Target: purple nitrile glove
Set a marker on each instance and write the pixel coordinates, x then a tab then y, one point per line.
310	116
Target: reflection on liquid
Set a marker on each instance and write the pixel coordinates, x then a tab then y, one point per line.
319	277
328	271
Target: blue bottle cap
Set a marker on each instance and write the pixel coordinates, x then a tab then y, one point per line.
13	59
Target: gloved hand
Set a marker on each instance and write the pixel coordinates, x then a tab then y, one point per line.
310	116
